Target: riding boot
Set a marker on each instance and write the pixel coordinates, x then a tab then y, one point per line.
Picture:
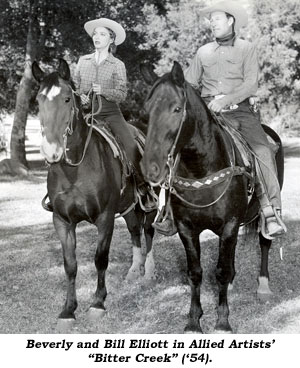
271	221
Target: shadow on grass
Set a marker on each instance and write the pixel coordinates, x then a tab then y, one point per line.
292	150
34	284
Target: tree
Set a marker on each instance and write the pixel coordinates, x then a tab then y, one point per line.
273	27
277	31
52	29
177	34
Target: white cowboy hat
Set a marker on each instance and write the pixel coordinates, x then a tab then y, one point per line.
230	7
108	23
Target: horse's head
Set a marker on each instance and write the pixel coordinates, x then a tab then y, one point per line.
166	105
55	98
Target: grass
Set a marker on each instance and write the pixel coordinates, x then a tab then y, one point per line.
33	282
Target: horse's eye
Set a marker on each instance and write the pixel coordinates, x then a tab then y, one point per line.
67	99
177	109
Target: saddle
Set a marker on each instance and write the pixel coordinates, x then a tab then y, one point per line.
249	159
102	128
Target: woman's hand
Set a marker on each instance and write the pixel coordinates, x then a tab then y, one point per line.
84	99
97	88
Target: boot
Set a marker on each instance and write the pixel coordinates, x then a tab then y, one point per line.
271	223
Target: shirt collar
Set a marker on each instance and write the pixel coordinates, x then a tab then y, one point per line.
110	58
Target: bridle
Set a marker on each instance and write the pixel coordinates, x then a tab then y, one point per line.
69	130
167	182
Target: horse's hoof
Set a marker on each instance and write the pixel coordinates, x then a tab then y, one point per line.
64	325
95	314
193	328
264	297
230	287
227	332
223	328
132	275
149	281
186	332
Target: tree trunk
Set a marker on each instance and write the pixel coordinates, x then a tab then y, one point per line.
17	144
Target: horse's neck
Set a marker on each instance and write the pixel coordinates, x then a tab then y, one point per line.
76	140
205	152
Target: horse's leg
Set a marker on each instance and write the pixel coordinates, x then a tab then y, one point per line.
192	248
134	224
150	271
225	273
263	292
105	226
67	236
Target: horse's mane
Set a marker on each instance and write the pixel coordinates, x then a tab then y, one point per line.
196	102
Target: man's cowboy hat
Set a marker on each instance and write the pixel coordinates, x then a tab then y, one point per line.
230	7
108	23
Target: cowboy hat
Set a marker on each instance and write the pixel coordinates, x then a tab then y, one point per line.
107	23
230	7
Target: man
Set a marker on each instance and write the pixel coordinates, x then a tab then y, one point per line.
227	70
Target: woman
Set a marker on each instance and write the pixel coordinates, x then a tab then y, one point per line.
105	75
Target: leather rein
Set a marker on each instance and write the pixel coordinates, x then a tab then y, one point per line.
69	129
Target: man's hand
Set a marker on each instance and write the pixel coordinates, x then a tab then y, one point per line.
217	105
97	88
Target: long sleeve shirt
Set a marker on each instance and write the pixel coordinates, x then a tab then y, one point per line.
110	74
225	70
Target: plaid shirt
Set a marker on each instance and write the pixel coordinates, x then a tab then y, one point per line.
110	74
225	70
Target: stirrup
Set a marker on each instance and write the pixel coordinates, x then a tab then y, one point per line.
272	225
164	223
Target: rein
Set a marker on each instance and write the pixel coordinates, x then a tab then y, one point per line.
171	180
69	129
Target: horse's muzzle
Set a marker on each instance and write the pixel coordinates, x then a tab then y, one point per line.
50	151
153	173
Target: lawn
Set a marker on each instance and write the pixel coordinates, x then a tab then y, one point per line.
33	282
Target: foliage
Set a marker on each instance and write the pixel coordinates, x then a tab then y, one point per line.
177	35
59	32
273	26
277	31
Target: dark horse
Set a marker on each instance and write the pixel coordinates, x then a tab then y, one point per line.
180	122
84	183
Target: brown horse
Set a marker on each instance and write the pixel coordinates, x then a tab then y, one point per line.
84	183
208	190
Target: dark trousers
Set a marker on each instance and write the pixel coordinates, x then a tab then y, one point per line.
111	113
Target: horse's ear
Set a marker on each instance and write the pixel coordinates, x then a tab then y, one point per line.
64	70
37	72
148	73
177	74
